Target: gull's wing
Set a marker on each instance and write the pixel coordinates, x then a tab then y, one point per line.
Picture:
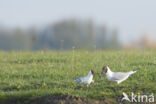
78	80
119	75
81	80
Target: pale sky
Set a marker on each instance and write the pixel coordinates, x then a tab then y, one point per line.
131	17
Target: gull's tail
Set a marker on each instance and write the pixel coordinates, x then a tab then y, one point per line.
134	71
78	80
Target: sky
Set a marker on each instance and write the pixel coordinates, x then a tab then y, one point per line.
133	18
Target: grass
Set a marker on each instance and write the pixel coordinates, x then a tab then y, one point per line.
26	75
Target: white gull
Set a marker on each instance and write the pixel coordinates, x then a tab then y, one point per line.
116	76
87	79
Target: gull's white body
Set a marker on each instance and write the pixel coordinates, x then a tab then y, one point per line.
86	80
118	76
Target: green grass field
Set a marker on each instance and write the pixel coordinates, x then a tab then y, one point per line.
26	75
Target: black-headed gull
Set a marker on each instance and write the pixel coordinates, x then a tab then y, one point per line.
87	79
116	76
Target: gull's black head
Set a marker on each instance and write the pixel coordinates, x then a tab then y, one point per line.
104	70
93	72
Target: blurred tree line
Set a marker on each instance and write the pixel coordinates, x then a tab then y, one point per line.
65	35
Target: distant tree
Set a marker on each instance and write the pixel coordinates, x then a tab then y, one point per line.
101	38
61	35
114	43
32	39
91	38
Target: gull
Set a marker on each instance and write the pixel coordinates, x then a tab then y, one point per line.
116	76
87	79
125	97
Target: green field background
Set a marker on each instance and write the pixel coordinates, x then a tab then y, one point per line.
26	75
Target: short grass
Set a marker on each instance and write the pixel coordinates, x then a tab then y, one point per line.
26	75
